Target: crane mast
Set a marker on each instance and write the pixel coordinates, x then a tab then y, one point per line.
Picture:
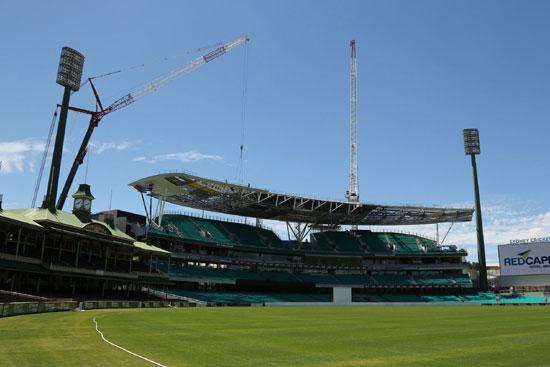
353	192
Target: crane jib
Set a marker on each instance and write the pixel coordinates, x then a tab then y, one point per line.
131	98
212	55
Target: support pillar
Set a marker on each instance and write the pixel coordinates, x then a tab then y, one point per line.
43	247
106	256
38	286
18	241
131	259
77	253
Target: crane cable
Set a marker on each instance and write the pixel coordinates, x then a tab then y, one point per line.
240	172
44	157
152	63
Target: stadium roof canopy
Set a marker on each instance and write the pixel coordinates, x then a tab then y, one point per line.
219	196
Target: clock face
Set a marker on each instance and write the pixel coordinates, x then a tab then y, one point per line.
78	203
87	204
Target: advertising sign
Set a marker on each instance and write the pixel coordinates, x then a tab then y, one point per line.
524	259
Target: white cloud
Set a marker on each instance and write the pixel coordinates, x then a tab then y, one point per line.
190	156
18	155
99	147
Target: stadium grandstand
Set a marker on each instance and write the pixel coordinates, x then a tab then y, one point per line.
229	262
71	255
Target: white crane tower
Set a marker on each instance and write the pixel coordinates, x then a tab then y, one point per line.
353	192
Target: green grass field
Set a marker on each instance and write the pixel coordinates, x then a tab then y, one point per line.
301	336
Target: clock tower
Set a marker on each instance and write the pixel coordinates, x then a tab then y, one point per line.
82	206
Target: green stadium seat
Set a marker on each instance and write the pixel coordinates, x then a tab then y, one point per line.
344	241
320	242
317	278
355	279
243	234
431	280
393	280
245	298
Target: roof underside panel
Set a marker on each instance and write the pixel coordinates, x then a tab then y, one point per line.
218	196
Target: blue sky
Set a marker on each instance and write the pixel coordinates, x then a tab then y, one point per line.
427	69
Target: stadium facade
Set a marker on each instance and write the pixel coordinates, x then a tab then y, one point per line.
69	254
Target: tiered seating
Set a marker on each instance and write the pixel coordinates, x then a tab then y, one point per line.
431	246
231	234
317	278
321	242
271	238
197	272
375	242
241	274
434	280
244	234
180	226
393	280
219	232
406	243
249	297
214	232
354	279
483	298
278	276
344	241
382	242
462	279
234	274
441	298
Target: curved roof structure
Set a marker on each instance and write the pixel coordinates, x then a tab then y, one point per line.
218	196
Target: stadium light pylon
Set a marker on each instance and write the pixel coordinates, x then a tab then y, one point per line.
69	75
472	148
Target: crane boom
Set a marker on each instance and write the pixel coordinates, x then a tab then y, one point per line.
173	75
155	84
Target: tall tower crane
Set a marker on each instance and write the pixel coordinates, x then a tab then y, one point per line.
353	192
126	100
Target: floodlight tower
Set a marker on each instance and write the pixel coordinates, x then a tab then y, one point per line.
472	148
353	192
69	75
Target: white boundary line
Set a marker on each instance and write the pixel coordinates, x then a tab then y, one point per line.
124	349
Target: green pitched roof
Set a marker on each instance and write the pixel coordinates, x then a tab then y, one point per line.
146	247
13	215
34	216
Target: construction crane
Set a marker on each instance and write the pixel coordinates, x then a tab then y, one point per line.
353	192
96	116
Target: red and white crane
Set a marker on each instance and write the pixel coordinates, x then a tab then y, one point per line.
353	192
154	85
